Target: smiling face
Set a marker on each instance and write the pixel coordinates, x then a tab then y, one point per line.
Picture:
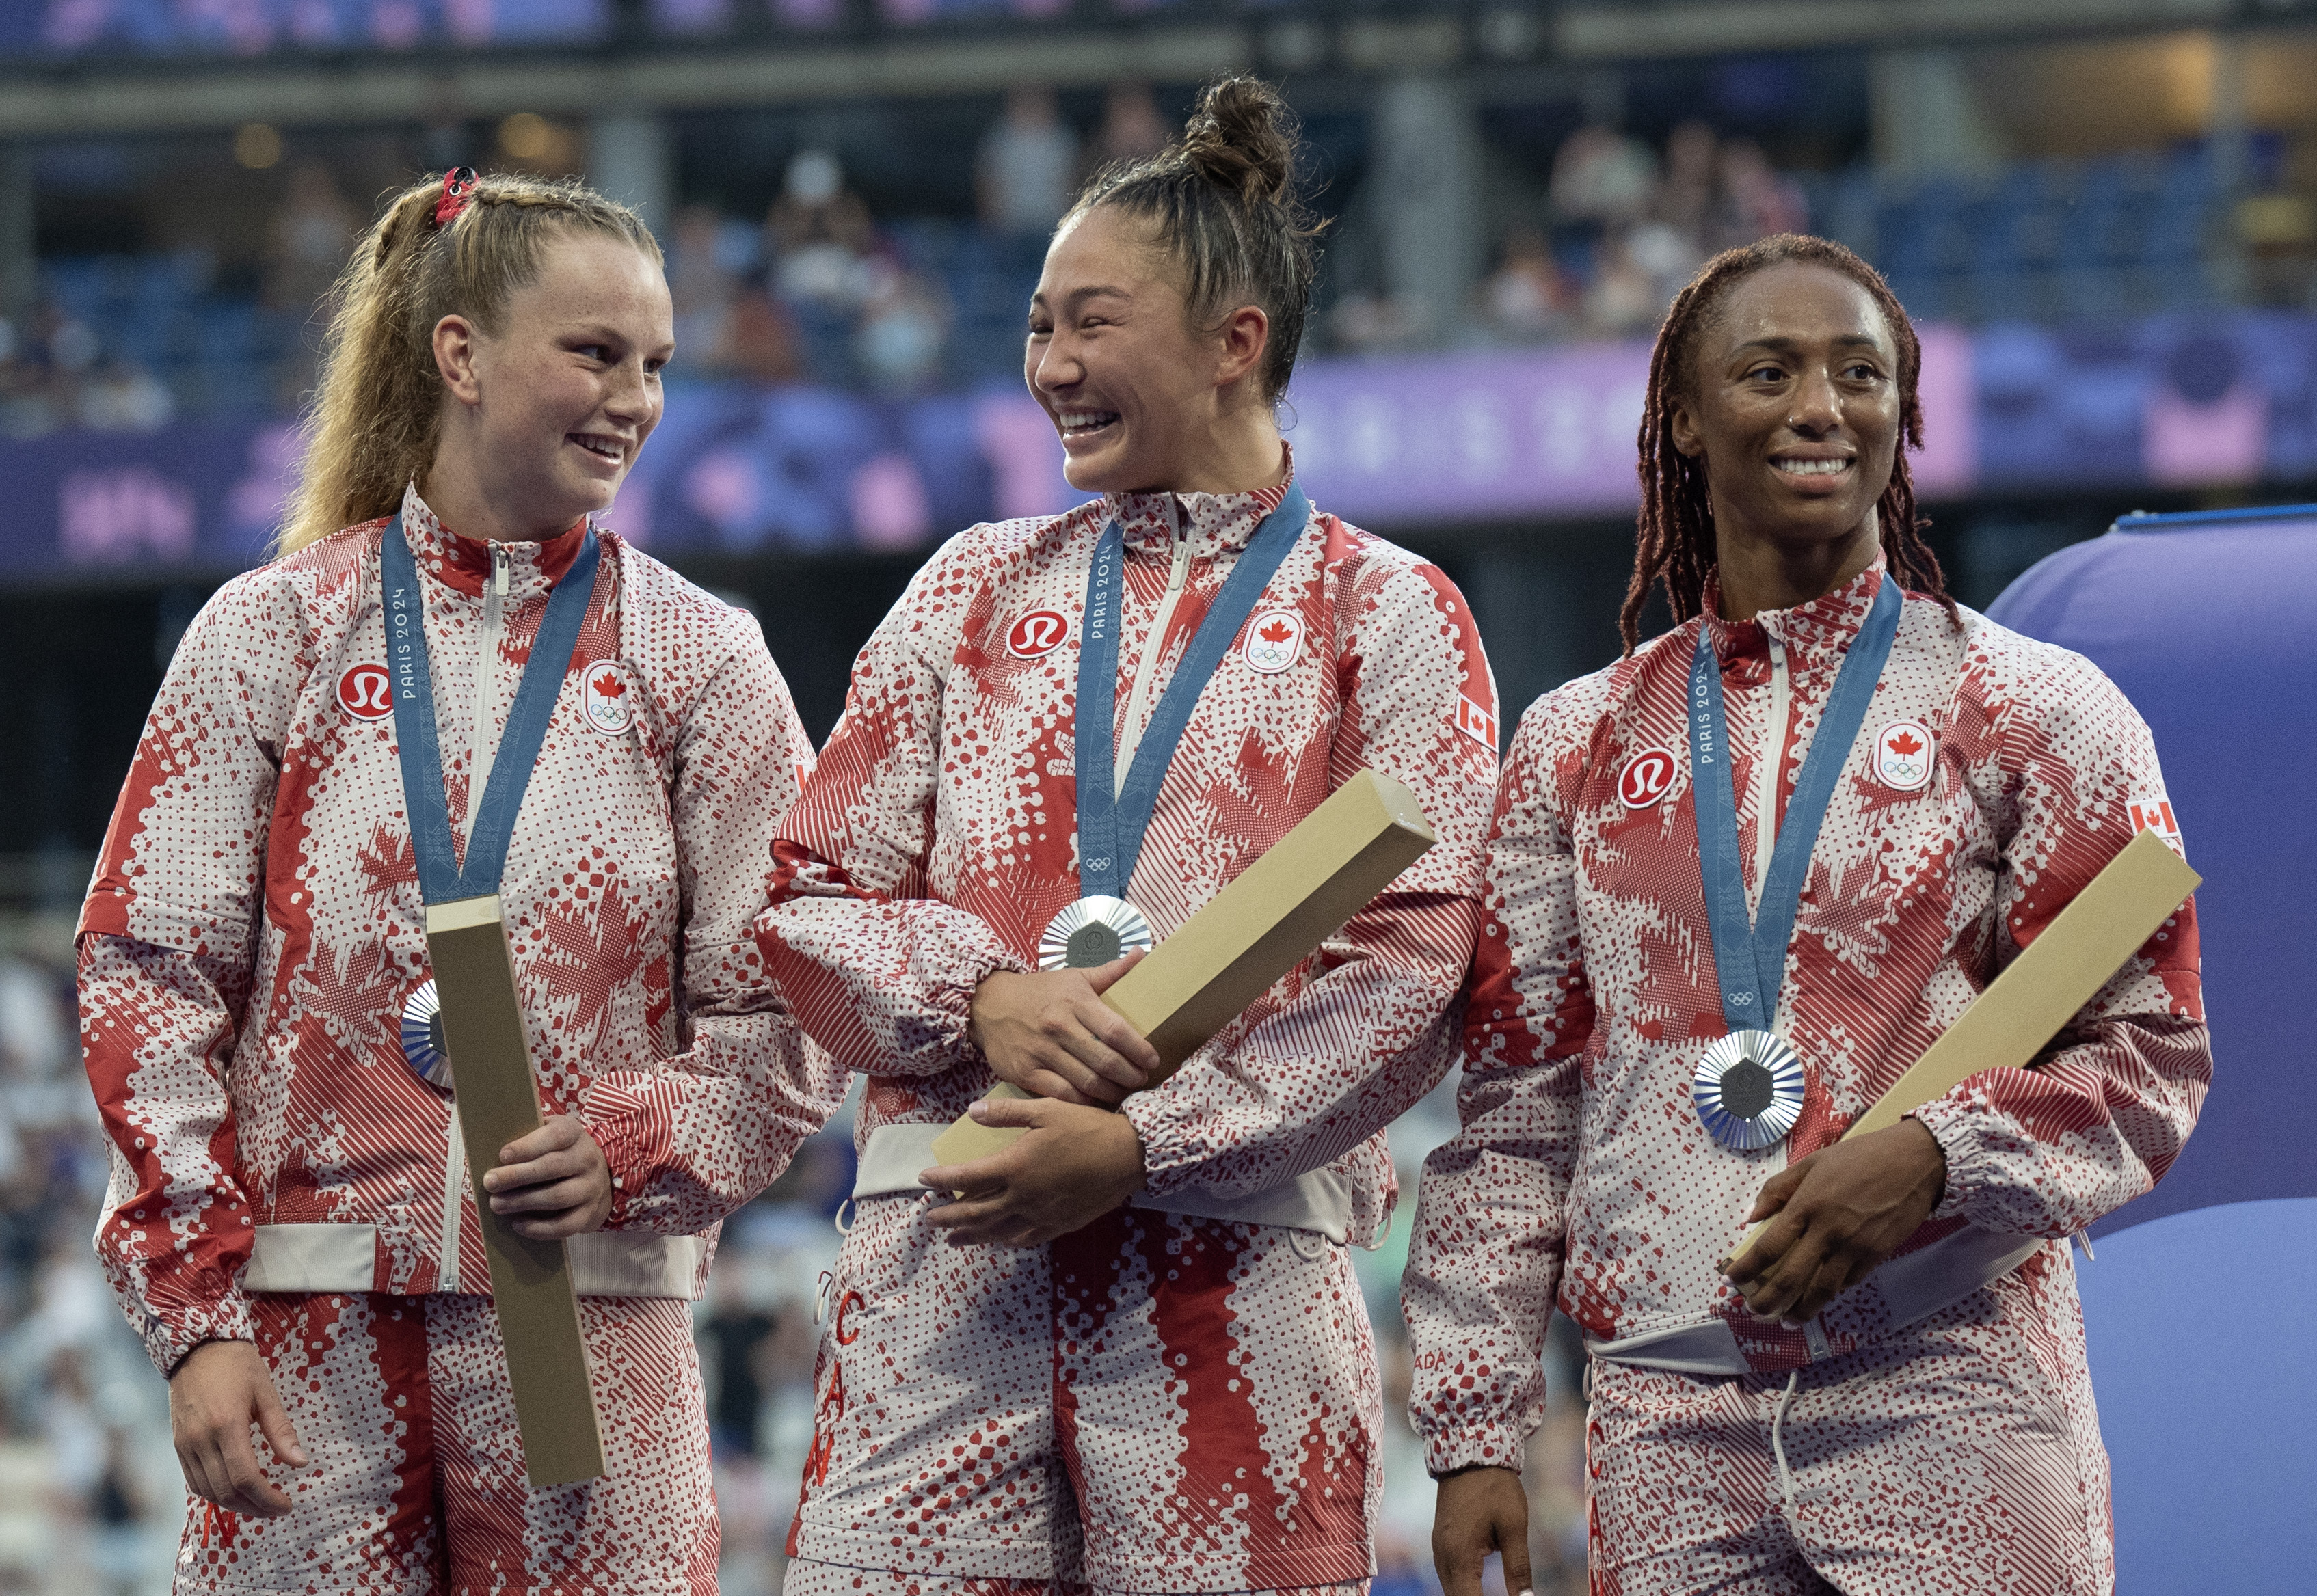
1143	399
1794	409
549	410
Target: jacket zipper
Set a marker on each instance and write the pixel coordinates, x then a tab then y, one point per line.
1137	703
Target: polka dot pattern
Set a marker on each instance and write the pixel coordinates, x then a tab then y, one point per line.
1582	1178
416	1484
1155	1403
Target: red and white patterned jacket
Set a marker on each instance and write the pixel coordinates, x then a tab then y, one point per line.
255	925
938	835
1582	1175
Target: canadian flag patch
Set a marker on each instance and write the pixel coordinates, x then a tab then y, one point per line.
608	698
1274	639
1476	723
2150	813
1903	751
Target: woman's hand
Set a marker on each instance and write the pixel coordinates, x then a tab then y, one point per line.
1481	1510
1052	1036
1076	1164
1840	1211
220	1388
553	1183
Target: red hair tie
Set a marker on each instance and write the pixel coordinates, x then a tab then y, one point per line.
458	189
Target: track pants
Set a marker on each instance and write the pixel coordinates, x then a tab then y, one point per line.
1962	1457
417	1484
1154	1404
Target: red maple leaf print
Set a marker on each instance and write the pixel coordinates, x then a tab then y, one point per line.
611	686
1278	631
1904	743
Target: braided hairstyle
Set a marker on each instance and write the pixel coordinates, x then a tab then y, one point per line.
376	415
1674	541
1223	200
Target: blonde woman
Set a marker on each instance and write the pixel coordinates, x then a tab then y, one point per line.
446	676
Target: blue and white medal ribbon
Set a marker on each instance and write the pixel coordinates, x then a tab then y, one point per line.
1113	816
1749	1085
443	876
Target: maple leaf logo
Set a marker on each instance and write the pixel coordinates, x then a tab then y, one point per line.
1278	631
610	686
1904	743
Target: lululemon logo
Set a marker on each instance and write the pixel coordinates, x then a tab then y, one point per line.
1648	777
366	692
1038	633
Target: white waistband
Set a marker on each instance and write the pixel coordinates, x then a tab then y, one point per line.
344	1258
1914	1287
1321	1201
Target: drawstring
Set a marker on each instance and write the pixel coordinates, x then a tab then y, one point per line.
843	1220
2085	1241
214	1516
1777	1442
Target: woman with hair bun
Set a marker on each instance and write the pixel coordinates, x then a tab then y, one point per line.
1132	1356
1737	883
293	1223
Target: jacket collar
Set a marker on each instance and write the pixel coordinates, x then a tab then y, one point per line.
1813	634
464	564
1218	523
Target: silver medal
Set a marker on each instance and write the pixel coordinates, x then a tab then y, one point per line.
422	1038
1093	931
1748	1090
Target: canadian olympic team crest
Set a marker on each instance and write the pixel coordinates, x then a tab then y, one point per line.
1274	639
1647	777
366	692
609	699
1037	633
1903	751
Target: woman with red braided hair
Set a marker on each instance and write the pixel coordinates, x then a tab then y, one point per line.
1737	882
293	1224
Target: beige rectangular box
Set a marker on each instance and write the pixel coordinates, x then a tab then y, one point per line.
1252	932
499	1101
2037	993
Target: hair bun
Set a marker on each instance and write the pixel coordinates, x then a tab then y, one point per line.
1242	138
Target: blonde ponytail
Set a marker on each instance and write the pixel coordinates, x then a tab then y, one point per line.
376	414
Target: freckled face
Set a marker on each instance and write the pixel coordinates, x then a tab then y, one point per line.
569	384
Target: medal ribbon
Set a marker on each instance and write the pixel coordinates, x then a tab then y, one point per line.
416	740
1112	818
1750	954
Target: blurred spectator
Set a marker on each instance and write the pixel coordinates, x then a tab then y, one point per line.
122	396
761	341
738	1326
1027	173
819	233
1131	127
1667	256
904	326
1622	298
703	291
1685	199
1527	296
1601	178
309	240
1756	200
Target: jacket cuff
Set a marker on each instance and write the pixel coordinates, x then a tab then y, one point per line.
1950	1122
1482	1446
224	1318
632	1115
1174	1151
